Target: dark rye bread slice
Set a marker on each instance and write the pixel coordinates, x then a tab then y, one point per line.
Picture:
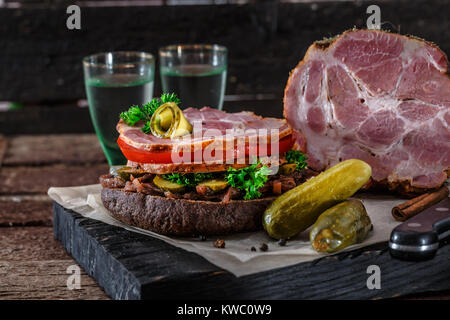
183	217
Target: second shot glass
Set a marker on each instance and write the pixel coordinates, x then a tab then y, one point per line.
195	72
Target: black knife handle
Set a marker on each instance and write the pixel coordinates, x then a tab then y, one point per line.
418	238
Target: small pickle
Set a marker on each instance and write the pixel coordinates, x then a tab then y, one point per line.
167	185
297	209
165	119
214	184
168	121
126	172
340	226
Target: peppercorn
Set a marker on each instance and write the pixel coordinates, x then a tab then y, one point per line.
264	247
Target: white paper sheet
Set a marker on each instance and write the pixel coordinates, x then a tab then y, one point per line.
237	256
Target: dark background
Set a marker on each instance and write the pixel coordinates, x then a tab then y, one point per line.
40	59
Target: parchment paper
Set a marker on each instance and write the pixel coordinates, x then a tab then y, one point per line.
237	257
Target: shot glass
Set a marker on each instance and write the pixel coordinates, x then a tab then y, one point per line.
115	81
195	72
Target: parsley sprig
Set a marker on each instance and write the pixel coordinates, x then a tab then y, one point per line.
248	179
137	113
297	157
188	179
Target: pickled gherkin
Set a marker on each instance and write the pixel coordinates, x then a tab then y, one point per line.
214	184
126	172
298	208
168	121
167	185
340	226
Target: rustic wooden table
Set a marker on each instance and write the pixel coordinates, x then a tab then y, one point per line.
33	265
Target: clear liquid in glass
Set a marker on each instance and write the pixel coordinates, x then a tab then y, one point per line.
197	85
108	96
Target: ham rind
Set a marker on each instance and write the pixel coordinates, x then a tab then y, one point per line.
216	125
380	97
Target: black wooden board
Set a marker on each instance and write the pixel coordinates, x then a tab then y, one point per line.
133	266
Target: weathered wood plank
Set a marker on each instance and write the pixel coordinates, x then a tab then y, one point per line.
51	149
30	244
275	37
18	212
26	180
44	280
33	265
46	119
3	145
144	268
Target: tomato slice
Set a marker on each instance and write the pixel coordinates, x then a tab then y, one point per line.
164	157
142	156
